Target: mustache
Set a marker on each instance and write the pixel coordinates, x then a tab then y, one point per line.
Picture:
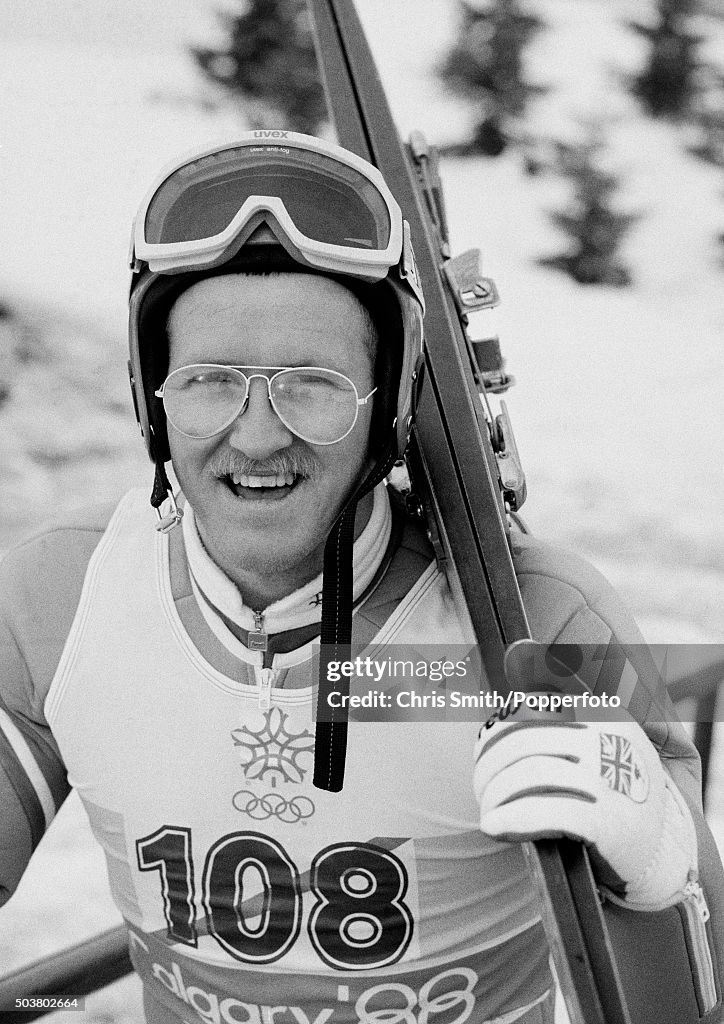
299	463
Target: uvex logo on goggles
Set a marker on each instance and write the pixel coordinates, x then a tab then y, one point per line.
265	134
319	405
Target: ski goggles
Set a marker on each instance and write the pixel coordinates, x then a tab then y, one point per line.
319	405
332	208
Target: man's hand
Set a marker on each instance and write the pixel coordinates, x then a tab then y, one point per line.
598	782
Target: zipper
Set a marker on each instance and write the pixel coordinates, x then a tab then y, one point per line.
695	915
266	677
258	638
694	892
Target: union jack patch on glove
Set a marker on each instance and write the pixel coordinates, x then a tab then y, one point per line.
599	782
622	768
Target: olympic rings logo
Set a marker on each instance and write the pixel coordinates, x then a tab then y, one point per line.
273	805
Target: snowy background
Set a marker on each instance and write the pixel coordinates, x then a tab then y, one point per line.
617	411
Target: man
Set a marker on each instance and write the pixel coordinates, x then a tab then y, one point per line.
167	676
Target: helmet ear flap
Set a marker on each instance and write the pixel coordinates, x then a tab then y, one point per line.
388	364
153	348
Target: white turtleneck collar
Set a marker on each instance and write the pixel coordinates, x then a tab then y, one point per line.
302	607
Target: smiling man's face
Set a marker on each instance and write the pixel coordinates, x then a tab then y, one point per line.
276	531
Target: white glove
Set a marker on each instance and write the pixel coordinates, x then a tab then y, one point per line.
600	782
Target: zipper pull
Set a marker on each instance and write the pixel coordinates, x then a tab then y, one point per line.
265	685
257	640
694	892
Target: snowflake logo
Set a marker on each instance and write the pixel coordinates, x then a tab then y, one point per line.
272	750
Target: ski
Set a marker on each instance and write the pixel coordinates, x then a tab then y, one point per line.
465	470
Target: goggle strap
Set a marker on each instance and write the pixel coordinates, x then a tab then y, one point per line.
408	265
330	744
161	485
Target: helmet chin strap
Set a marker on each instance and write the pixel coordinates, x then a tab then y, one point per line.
161	492
330	745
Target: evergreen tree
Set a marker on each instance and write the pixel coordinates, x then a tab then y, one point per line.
709	120
485	66
668	86
5	352
710	146
269	63
593	225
